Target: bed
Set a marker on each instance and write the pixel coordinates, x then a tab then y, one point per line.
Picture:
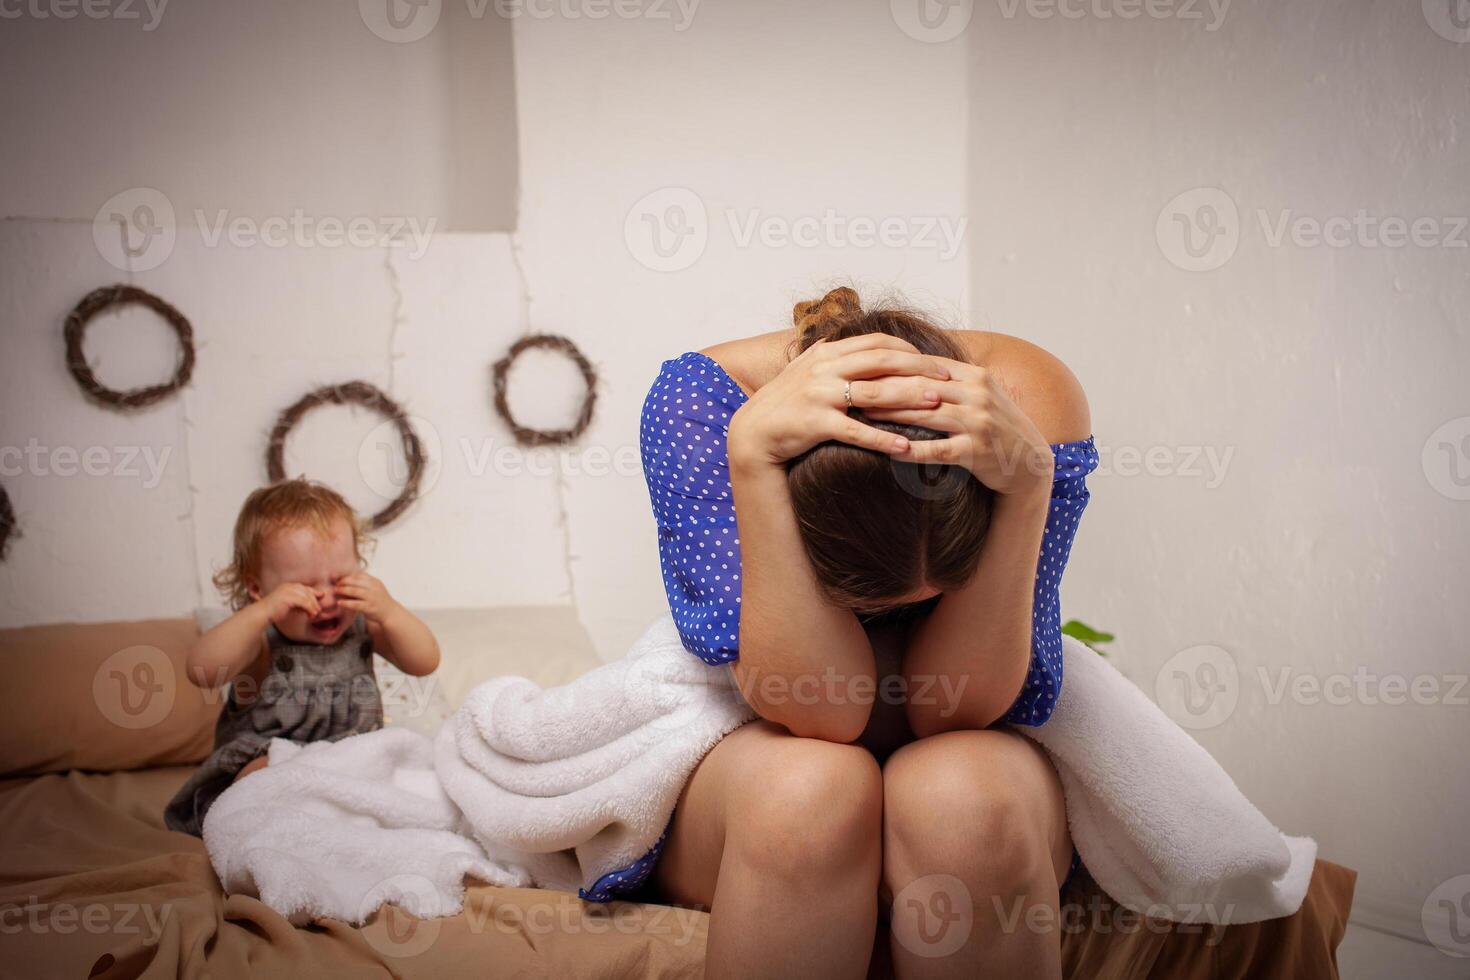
100	730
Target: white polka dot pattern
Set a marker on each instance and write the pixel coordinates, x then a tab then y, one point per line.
682	434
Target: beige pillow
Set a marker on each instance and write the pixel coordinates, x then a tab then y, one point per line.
110	696
101	696
544	643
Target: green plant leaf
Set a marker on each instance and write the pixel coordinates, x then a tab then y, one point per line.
1079	630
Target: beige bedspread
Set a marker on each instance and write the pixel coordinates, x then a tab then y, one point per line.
92	884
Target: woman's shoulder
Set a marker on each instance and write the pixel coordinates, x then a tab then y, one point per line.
1037	380
752	361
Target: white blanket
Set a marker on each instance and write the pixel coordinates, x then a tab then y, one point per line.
568	787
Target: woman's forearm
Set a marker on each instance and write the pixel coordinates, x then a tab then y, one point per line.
804	663
978	637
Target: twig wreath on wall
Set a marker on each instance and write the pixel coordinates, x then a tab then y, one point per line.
525	435
367	396
105	298
7	523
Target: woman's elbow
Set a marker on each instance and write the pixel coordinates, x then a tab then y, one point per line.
929	718
837	723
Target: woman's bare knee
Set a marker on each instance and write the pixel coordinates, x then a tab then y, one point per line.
807	807
984	806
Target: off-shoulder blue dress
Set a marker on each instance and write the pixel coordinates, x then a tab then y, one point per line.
685	421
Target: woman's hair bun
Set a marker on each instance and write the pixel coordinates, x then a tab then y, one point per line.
815	319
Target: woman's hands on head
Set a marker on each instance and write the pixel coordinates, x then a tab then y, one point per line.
987	433
804	405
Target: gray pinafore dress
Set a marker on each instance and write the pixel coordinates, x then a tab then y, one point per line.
312	693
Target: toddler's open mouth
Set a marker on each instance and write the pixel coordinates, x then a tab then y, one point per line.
327	624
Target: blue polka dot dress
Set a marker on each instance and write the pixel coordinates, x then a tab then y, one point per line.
686	417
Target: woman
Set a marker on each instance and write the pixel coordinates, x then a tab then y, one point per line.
888	510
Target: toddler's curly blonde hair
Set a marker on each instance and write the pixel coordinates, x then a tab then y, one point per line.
289	503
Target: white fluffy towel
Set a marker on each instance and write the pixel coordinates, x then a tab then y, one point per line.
576	782
1159	824
564	787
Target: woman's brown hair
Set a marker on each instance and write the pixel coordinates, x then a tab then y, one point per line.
878	529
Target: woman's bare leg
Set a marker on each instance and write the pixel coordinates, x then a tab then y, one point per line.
975	847
779	837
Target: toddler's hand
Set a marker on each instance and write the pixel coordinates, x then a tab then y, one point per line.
360	592
288	596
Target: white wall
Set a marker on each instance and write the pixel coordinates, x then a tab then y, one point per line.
794	140
754	115
1328	547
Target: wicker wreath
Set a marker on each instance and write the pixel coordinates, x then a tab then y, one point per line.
367	396
7	523
526	436
76	359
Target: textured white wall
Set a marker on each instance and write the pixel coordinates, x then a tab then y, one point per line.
763	111
1329	549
